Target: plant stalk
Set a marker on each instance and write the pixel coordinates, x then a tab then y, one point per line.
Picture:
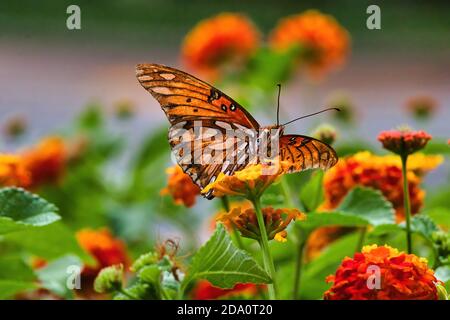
298	268
235	233
406	203
264	243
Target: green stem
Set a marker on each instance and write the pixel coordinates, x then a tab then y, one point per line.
164	294
225	203
264	243
362	237
286	192
235	233
298	267
127	294
406	203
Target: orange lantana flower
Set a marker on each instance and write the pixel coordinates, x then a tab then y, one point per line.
401	277
225	40
13	171
204	290
324	41
276	221
181	187
379	172
46	161
248	182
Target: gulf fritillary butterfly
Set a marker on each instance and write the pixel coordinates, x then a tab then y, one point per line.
186	99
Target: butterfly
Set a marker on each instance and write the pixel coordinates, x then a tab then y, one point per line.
187	100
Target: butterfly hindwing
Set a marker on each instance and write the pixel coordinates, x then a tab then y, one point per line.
300	153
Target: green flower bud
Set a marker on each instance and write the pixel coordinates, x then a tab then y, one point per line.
109	280
442	292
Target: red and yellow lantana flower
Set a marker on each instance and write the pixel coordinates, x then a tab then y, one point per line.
106	250
402	277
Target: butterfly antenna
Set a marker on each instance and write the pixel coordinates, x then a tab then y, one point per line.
278	105
312	114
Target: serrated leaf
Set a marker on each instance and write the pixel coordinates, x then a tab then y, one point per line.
224	265
423	225
20	209
369	204
311	194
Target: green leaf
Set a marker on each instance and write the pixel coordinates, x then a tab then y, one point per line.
440	215
20	209
437	146
423	225
49	242
9	288
54	275
14	268
311	195
15	276
151	274
224	265
316	220
313	279
368	204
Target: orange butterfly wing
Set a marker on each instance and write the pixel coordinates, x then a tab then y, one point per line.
300	153
186	99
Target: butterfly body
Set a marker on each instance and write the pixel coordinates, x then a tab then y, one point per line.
211	133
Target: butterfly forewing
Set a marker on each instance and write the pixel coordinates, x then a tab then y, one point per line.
190	103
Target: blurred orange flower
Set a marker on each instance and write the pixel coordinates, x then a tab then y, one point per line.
223	41
324	41
46	161
404	141
204	290
276	221
106	250
181	187
13	171
402	277
378	172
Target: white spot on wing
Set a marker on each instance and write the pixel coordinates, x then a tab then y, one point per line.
145	78
161	90
167	76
